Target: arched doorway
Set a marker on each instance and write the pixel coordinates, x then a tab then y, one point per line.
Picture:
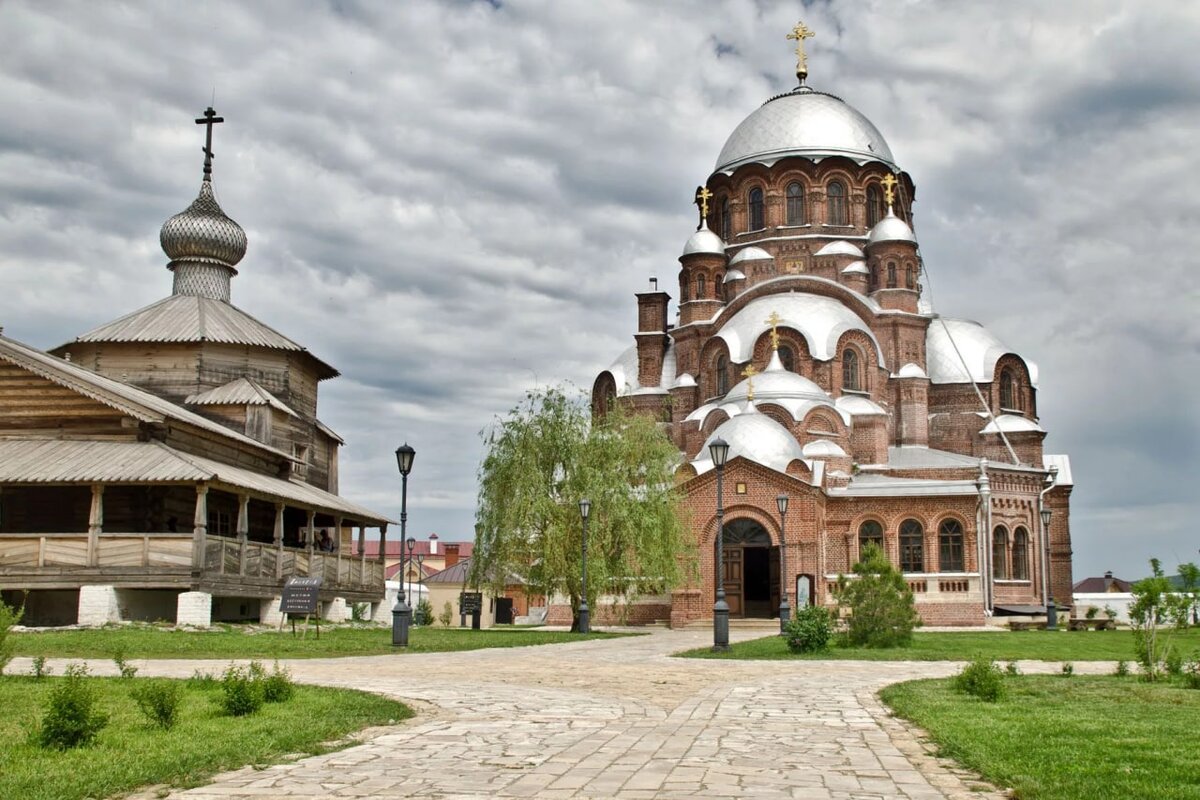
751	570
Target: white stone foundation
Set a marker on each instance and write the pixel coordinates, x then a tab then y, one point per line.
335	610
98	605
268	611
194	609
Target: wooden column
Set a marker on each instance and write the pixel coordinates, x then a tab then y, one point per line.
243	530
383	551
362	552
200	527
278	540
309	534
337	548
95	524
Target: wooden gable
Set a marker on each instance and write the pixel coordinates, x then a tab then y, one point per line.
32	405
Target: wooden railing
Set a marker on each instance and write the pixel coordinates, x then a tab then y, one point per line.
225	556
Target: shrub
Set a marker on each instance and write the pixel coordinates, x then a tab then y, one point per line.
127	669
71	717
981	678
277	687
880	604
241	692
1191	672
1157	612
447	614
40	670
1111	613
158	701
809	630
1173	661
1091	612
1068	669
1012	669
359	612
9	616
1122	670
423	615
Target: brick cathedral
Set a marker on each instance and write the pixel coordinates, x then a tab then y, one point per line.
802	338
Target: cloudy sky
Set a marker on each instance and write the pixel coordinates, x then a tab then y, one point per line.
454	202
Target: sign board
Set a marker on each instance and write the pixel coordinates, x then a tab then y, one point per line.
803	591
300	596
470	603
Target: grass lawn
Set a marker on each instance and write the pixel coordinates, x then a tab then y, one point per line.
242	641
129	753
1055	738
1002	646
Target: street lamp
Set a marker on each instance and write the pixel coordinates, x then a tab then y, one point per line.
408	575
1051	611
585	625
401	613
718	450
785	610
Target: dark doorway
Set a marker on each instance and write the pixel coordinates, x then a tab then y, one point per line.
751	570
504	611
757	587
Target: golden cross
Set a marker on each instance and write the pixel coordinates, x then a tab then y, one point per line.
774	321
702	197
889	187
800	33
748	373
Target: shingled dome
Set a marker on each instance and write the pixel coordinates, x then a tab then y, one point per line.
202	232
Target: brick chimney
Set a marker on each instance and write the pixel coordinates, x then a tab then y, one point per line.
451	555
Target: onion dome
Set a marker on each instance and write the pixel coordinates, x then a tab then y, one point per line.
202	232
891	229
704	241
751	254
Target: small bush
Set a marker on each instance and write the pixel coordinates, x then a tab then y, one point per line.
1068	669
446	615
128	671
9	616
423	614
809	630
241	692
1173	661
202	680
981	678
1111	613
158	701
1012	669
1191	672
359	612
278	687
1122	670
40	670
1091	612
71	718
879	602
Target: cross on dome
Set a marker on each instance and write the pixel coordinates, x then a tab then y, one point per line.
748	373
774	321
800	33
702	197
210	118
889	188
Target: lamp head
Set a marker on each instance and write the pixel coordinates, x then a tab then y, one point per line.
782	502
412	543
585	507
404	458
718	450
1046	512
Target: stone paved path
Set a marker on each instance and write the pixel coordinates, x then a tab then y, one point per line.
615	718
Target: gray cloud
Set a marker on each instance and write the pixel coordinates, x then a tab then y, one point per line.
454	202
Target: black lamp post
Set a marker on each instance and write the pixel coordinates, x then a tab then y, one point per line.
1051	611
401	613
585	623
408	574
718	450
785	609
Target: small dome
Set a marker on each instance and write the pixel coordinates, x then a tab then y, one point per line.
704	241
772	385
911	370
1012	423
807	123
683	380
755	437
891	229
751	254
858	406
856	268
823	448
840	248
733	275
203	233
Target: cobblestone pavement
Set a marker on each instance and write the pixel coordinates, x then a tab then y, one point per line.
615	718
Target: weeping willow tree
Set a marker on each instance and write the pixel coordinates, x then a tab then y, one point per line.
540	461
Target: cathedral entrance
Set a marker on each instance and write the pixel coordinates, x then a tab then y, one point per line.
751	570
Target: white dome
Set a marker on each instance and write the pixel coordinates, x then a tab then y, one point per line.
803	122
821	320
840	248
891	229
704	241
823	448
778	385
1012	423
755	437
856	268
733	275
911	370
751	254
683	380
980	349
624	372
858	406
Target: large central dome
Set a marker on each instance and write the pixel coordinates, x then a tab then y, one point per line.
804	122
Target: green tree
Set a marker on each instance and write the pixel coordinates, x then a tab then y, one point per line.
1189	576
879	602
1156	613
540	460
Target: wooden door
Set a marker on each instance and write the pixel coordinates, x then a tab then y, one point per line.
733	580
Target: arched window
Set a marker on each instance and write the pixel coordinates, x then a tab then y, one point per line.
835	200
787	358
1008	390
912	546
874	205
950	546
795	204
870	532
700	287
726	219
891	284
757	220
1020	555
722	375
851	378
1000	552
910	281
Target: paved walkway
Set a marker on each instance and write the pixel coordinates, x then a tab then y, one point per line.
612	719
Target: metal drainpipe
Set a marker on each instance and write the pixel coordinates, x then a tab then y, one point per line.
1051	482
985	539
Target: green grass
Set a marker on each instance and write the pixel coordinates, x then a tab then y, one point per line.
1002	646
129	753
1055	738
241	641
